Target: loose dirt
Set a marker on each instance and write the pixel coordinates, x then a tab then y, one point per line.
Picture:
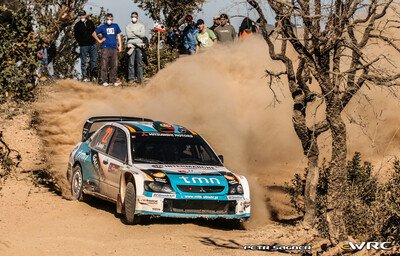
221	94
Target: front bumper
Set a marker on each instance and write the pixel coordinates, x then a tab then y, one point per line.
200	206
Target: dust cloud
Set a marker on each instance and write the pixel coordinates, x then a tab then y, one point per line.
223	95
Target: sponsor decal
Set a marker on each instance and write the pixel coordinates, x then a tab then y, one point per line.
184	135
200	180
107	135
100	146
352	246
162	195
200	197
148	201
193	167
156	134
113	168
96	164
161	134
82	156
162	180
235	197
156	209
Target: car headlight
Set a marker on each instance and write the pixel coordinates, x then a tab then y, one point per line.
239	189
235	190
154	186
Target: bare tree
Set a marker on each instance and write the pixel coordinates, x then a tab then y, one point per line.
55	16
169	12
333	50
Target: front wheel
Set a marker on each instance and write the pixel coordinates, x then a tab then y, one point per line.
130	204
77	183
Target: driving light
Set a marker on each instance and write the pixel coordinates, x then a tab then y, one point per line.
228	177
239	189
235	190
159	175
154	186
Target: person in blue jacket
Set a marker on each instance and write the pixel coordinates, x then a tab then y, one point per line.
189	35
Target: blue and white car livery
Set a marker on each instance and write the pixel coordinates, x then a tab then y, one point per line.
153	168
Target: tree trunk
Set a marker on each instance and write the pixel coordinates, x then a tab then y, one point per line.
310	193
310	149
337	177
308	140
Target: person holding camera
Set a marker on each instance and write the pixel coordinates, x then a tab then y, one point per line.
135	32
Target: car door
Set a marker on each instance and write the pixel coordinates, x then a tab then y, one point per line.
117	159
99	146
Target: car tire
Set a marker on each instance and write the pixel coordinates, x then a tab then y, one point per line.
130	205
77	184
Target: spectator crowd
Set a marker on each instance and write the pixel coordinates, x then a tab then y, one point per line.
189	38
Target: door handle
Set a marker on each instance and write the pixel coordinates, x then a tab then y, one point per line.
105	162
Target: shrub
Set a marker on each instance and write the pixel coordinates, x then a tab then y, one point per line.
18	49
372	210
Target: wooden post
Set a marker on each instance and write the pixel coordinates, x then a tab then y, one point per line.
158	51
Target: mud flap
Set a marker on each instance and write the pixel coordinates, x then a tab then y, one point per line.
119	203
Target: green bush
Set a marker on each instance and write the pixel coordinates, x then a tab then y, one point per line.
18	49
295	190
372	210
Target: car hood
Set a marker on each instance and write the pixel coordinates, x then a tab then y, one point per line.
184	169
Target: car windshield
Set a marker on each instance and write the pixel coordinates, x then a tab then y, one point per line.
172	149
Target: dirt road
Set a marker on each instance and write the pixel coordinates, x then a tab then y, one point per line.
37	221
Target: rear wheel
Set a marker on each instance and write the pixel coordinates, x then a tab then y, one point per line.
130	204
77	183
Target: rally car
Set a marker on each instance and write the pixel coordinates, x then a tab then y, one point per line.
154	168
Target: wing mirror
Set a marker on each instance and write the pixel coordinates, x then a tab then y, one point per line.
221	157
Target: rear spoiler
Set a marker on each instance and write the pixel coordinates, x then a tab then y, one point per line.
104	119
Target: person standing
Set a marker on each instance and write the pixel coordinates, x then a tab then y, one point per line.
83	31
247	29
135	32
225	32
174	37
111	44
189	36
216	22
205	37
45	61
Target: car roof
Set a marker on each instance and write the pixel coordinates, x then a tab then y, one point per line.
147	126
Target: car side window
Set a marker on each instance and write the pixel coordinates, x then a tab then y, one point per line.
118	146
206	157
101	140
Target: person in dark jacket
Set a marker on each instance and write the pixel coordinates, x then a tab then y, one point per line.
247	29
189	36
83	31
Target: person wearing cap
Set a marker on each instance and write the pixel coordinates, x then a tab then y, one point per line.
135	32
205	37
225	32
111	44
83	31
216	21
189	36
